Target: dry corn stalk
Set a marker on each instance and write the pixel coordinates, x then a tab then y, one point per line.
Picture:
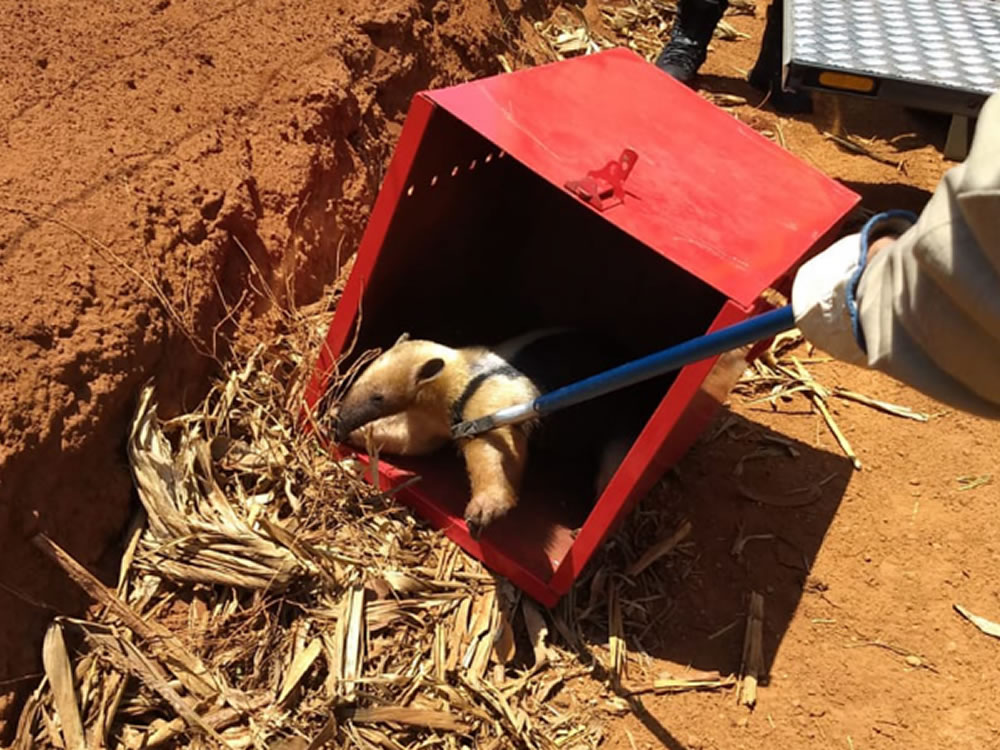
267	591
60	676
645	25
195	534
753	652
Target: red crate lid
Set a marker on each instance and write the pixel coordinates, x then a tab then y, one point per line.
746	210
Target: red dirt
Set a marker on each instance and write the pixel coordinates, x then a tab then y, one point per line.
169	136
169	143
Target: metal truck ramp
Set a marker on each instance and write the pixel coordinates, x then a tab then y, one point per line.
938	55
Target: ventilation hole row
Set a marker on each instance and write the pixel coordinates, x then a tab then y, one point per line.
455	170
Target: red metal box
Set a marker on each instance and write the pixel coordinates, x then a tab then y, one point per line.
475	237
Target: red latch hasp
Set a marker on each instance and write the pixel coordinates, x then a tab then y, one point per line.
605	187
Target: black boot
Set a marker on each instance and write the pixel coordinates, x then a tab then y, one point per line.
766	73
687	47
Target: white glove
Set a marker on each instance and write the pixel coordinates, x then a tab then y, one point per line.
819	299
824	288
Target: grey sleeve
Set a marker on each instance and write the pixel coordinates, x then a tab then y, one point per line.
929	305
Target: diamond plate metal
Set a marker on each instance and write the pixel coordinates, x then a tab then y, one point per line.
948	43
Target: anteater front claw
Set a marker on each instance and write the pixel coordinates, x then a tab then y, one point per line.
483	510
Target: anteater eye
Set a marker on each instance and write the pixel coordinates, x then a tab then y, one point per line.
377	398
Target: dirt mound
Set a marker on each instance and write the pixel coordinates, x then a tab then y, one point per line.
170	168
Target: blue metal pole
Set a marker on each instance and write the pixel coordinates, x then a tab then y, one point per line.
673	358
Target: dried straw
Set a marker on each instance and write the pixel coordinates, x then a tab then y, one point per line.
641	25
269	594
779	374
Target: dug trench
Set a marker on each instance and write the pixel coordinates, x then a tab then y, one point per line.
167	187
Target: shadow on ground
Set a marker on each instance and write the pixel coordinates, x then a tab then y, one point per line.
879	197
689	608
906	129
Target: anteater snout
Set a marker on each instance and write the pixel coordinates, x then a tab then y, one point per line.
340	430
352	416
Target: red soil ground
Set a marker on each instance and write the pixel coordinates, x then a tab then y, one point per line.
181	151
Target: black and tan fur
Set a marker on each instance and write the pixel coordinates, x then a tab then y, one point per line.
407	400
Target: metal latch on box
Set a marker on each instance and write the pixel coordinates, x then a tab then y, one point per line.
605	187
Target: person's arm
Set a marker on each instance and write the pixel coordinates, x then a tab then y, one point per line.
922	302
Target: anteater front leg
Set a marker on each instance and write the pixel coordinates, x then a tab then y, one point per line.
495	465
405	434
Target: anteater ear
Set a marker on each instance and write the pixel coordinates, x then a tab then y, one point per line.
429	370
403	337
